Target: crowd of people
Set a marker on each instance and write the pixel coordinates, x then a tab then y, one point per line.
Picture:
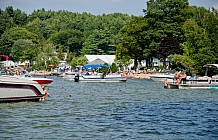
178	79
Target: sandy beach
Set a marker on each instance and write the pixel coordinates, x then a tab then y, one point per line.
138	76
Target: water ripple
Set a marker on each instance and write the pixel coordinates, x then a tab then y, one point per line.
137	109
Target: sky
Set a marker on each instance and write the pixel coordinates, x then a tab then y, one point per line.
95	7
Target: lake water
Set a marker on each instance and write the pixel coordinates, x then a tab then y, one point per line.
137	109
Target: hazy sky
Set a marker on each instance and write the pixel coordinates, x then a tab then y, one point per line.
96	7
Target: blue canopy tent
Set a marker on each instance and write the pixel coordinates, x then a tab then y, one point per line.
89	67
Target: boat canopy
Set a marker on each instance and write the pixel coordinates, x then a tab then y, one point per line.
95	66
4	56
211	65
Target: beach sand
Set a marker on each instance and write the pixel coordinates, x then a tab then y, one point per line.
138	76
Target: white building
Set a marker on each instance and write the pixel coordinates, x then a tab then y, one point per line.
155	62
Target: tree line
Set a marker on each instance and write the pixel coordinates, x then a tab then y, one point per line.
169	30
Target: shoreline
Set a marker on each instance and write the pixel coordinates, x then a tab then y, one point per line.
138	76
134	76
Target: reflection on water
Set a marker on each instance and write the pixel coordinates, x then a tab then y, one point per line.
137	109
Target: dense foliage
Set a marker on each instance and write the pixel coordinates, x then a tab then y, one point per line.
187	35
75	33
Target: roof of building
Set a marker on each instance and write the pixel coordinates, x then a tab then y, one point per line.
109	59
97	61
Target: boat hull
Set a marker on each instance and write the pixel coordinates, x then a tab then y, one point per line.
161	77
198	86
193	86
70	75
13	89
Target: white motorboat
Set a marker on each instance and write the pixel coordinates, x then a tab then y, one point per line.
162	77
14	89
193	86
70	75
204	82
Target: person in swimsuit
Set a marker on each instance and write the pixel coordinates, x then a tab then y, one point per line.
165	83
45	91
176	77
183	78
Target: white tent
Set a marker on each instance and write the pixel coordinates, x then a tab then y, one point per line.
97	61
109	59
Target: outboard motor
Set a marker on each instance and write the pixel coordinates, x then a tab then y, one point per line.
76	78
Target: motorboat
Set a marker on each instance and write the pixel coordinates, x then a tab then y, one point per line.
43	81
204	82
70	75
13	89
194	86
197	83
40	80
100	78
92	74
162	77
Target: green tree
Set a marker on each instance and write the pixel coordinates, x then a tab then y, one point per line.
99	42
19	17
10	36
132	41
75	42
60	53
185	61
70	56
46	56
164	18
24	50
71	40
78	61
113	68
36	27
41	14
198	45
16	33
6	21
6	43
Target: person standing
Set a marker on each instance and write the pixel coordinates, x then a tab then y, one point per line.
183	78
176	77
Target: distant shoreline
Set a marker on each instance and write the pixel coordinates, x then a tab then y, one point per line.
135	76
138	76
